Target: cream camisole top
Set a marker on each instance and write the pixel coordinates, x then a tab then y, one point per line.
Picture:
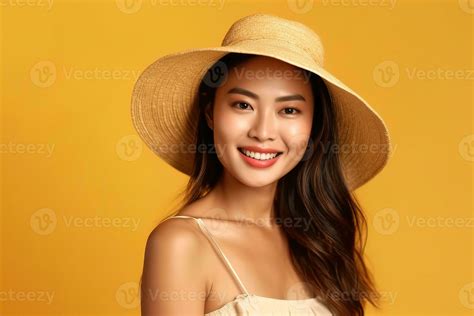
250	304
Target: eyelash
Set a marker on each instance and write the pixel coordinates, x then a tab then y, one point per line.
240	102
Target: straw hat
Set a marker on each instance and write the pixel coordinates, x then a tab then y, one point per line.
164	99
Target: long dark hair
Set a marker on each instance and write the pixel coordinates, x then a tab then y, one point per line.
328	255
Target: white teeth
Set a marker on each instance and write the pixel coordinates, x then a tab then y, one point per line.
259	156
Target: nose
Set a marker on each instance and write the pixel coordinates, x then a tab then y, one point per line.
264	126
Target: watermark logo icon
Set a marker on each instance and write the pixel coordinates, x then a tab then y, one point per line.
386	221
300	6
297	294
216	75
129	148
467	6
43	74
466	147
220	223
386	74
466	295
129	6
43	221
127	295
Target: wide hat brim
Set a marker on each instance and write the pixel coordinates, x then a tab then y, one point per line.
164	109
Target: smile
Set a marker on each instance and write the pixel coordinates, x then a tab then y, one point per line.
257	159
259	156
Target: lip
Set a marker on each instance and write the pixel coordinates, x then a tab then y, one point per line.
258	163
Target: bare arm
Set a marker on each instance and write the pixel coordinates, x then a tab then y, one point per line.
174	279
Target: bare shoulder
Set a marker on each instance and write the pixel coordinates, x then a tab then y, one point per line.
175	262
178	238
181	232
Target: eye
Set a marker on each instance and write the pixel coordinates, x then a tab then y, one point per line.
239	103
244	106
293	112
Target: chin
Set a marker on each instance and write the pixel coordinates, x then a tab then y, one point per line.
253	179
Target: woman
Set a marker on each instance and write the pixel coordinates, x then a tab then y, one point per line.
268	223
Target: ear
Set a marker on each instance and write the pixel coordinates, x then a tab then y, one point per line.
208	115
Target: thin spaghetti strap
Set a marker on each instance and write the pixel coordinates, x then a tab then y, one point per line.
208	234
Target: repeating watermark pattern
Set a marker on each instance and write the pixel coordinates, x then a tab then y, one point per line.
129	6
129	148
27	148
300	6
466	147
270	73
218	74
178	295
295	222
39	296
217	219
128	223
467	6
359	148
188	148
389	297
414	73
302	223
390	4
298	293
133	6
466	295
440	222
44	222
298	145
304	6
387	74
71	73
44	73
218	223
48	4
127	295
387	222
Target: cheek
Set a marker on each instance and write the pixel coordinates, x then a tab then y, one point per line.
228	129
228	120
228	125
297	137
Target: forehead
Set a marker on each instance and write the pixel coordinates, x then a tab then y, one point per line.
261	71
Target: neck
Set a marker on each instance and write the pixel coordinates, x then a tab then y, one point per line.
241	202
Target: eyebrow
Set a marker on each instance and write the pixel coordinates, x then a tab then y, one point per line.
252	95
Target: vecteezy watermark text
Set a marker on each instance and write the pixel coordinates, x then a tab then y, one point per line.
27	296
269	73
27	3
359	148
22	148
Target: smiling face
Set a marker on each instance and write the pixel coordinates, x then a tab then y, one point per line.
265	105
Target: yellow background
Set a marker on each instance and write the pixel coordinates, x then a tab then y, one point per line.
419	208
